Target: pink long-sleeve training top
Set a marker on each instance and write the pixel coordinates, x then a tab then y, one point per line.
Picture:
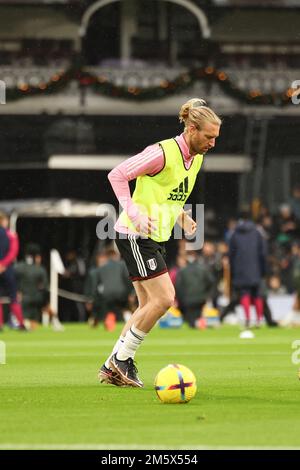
12	251
148	162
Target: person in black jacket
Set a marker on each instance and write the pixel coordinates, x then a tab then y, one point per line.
247	254
32	282
108	287
194	285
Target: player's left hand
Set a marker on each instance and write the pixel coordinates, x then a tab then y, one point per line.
187	223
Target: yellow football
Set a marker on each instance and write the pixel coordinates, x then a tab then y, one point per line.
175	384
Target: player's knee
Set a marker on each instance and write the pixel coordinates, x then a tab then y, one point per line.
142	302
166	299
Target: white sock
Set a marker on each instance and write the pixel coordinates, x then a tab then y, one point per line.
115	349
133	340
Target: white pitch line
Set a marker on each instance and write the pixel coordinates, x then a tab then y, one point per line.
100	345
26	446
183	353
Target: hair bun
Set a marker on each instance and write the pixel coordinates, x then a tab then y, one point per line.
195	111
198	103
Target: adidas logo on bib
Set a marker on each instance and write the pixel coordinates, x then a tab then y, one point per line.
180	193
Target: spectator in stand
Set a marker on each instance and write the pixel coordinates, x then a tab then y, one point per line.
286	268
266	223
109	288
33	287
275	287
263	211
287	225
294	202
32	284
9	248
73	281
180	263
247	254
292	318
93	289
116	284
193	288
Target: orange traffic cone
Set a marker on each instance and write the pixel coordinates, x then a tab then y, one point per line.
110	321
201	323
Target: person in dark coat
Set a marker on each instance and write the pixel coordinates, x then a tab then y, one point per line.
93	290
194	285
108	286
33	283
247	255
73	281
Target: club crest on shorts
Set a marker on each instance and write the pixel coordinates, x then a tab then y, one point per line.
152	264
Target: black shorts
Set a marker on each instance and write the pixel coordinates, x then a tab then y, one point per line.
144	257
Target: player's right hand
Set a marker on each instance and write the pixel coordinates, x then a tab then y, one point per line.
145	225
2	268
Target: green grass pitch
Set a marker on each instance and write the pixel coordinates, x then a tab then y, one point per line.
248	391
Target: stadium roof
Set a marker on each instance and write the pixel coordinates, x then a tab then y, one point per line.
257	26
55	208
51	208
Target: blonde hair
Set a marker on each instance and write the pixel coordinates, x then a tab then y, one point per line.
195	111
